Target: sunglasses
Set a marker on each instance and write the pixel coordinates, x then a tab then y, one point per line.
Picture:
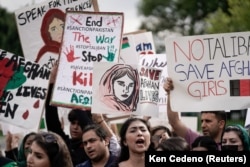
49	138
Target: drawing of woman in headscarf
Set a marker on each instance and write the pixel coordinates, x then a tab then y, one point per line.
119	88
51	32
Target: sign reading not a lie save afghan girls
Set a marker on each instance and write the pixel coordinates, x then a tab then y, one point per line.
210	72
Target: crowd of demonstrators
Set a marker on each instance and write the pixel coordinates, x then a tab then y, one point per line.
92	142
48	150
212	122
235	138
78	120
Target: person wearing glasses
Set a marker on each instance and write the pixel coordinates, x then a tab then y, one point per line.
235	138
48	150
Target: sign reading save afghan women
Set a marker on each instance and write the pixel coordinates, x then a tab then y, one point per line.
88	37
23	89
210	72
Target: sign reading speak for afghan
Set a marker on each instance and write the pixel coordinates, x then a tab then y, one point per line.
40	28
210	72
23	89
88	37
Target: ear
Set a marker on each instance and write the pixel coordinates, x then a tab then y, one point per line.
222	124
125	143
107	139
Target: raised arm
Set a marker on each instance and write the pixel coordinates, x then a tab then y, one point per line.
114	145
173	117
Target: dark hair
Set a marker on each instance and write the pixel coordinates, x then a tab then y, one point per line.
100	132
242	133
160	127
55	148
220	115
205	141
174	144
83	117
124	149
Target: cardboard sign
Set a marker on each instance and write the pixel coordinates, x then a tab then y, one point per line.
40	28
209	72
88	37
125	89
135	45
23	89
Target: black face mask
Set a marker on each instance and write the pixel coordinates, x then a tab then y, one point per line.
229	148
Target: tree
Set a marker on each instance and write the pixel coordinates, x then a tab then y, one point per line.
8	33
180	16
219	22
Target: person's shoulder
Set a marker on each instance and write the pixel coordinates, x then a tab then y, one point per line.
112	161
6	162
84	164
123	164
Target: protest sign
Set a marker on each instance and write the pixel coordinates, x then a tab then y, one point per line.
247	121
23	90
40	28
136	44
157	61
88	37
209	71
125	89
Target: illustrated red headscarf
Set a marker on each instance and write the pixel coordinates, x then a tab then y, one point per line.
50	45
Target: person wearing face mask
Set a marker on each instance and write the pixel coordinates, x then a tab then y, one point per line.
235	138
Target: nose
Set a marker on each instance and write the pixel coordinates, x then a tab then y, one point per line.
139	133
29	159
203	124
125	90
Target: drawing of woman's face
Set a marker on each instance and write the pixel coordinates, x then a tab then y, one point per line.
56	29
123	87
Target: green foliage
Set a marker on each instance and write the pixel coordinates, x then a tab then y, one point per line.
182	16
220	22
178	16
8	33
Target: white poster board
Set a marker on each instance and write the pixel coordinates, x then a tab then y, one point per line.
204	69
136	44
158	61
40	28
125	89
88	37
23	90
